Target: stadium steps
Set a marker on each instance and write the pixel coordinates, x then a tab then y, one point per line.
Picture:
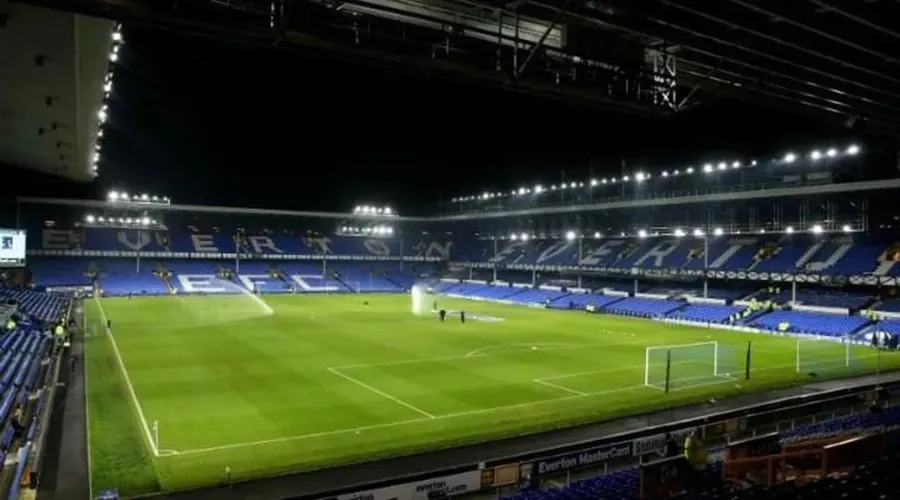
386	275
337	277
277	272
165	279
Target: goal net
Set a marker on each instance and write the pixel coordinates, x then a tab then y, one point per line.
681	366
824	357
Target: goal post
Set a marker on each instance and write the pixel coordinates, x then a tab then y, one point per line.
823	356
681	366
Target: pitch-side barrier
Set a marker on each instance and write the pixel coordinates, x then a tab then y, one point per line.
504	476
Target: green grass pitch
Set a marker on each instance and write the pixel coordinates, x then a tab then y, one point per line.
329	379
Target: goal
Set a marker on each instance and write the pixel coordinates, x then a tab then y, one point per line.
681	366
816	356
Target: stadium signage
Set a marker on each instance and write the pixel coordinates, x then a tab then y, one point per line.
657	444
457	484
571	461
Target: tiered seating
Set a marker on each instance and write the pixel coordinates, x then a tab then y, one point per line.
582	301
706	313
831	325
532	296
122	277
44	306
61	271
646	308
825	298
625	484
889	305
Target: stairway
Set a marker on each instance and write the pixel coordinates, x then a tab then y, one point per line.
278	273
388	277
337	277
168	282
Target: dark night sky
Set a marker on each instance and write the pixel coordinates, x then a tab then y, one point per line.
209	122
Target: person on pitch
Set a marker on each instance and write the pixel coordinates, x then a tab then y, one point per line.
442	314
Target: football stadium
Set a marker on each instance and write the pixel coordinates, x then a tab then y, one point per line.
719	326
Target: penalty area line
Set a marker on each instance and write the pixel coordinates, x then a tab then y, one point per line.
381	393
388	425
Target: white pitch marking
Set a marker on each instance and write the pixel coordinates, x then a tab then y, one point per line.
381	393
134	398
560	387
356	430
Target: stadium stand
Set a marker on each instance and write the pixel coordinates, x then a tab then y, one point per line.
868	479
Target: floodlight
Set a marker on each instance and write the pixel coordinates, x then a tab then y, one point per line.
679	232
539	189
574	184
831	152
665	173
639	177
853	149
699	233
817	229
570	235
736	164
597	234
513	236
522	191
847	228
388	211
718	231
642	233
789	230
707	168
594	182
90	219
815	155
523	236
722	165
790	158
753	163
145	221
625	179
113	195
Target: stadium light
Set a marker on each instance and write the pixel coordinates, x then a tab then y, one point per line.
815	155
679	232
718	231
790	158
698	233
853	150
140	199
789	230
816	229
597	235
642	233
847	228
570	235
523	236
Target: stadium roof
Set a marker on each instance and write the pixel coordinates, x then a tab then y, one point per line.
824	56
52	69
650	57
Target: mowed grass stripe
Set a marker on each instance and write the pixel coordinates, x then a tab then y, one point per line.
255	392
